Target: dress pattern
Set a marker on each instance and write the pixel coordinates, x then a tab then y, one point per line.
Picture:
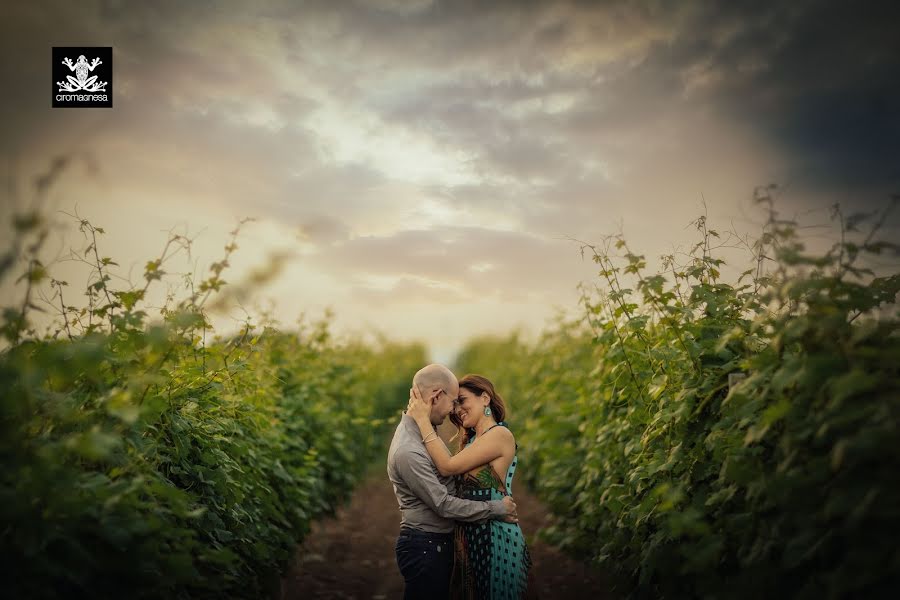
492	557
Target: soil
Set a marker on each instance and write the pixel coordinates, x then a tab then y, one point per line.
351	556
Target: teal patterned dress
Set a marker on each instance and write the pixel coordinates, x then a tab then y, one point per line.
492	558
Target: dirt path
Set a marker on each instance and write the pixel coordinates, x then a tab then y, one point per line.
352	556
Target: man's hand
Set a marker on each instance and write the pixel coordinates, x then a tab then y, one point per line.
511	515
418	407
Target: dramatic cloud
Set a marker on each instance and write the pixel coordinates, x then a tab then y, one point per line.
423	158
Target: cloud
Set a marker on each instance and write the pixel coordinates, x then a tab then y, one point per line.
468	261
410	290
815	78
323	229
433	153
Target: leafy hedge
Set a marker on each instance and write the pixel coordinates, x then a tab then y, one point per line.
141	460
717	440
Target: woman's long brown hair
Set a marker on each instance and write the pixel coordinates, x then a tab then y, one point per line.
478	384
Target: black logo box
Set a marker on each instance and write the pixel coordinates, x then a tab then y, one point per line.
73	86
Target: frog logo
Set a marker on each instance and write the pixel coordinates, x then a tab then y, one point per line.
81	82
77	83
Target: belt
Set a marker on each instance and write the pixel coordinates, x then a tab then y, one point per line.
426	535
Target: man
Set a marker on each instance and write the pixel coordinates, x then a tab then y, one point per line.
428	506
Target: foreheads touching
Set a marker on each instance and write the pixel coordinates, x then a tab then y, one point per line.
435	378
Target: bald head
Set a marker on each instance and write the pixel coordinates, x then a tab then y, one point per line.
435	375
437	384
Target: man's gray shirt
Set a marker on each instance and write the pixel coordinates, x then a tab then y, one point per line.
427	500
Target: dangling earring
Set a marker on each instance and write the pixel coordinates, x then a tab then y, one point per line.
487	411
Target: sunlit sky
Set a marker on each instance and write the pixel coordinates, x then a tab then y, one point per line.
426	164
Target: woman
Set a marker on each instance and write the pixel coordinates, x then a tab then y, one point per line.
491	555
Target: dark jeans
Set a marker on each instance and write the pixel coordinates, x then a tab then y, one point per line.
425	561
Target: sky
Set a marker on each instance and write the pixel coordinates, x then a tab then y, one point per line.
426	165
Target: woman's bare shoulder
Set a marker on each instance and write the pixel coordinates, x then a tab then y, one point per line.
502	435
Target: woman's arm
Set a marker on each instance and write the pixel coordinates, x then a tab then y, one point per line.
480	452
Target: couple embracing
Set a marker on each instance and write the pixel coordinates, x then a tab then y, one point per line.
459	533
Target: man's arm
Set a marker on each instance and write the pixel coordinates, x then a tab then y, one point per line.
418	473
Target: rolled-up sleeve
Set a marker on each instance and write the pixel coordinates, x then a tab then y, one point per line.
418	473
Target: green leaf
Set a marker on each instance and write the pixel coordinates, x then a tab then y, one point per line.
852	384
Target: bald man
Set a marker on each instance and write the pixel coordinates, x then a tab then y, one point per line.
428	504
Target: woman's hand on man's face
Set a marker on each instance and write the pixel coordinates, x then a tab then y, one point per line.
417	406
